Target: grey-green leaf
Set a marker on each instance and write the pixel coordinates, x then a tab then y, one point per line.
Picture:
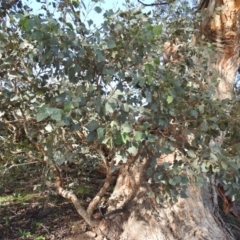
127	128
98	9
132	150
57	116
91	136
111	44
191	154
41	116
100	132
92	125
204	126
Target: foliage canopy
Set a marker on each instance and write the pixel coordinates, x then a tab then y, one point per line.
72	88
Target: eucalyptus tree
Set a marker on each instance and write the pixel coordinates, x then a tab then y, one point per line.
149	97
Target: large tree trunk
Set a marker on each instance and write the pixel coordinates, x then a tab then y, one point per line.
131	214
134	216
223	28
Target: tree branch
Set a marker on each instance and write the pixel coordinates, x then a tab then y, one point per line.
20	164
29	155
73	198
93	204
153	4
35	144
58	184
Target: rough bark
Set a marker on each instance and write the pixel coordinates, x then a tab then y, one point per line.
133	215
223	29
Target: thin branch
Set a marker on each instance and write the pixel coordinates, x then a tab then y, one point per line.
153	4
35	144
20	164
91	35
29	155
100	152
24	124
72	197
58	184
77	18
18	120
93	204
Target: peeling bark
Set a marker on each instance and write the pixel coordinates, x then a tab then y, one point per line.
133	215
223	29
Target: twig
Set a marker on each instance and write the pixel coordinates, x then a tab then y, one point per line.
105	161
45	228
16	121
77	18
24	123
22	164
58	183
36	160
35	144
29	155
153	4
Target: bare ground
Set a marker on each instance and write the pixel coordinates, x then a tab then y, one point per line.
29	214
36	215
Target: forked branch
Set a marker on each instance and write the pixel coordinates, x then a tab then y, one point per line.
73	198
93	204
58	184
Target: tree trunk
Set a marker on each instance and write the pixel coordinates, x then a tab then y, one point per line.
131	214
223	29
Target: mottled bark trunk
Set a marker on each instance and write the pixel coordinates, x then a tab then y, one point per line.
222	27
134	216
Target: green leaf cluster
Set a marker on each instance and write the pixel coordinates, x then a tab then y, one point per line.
78	87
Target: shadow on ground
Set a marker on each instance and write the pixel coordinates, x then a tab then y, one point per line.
25	214
34	215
